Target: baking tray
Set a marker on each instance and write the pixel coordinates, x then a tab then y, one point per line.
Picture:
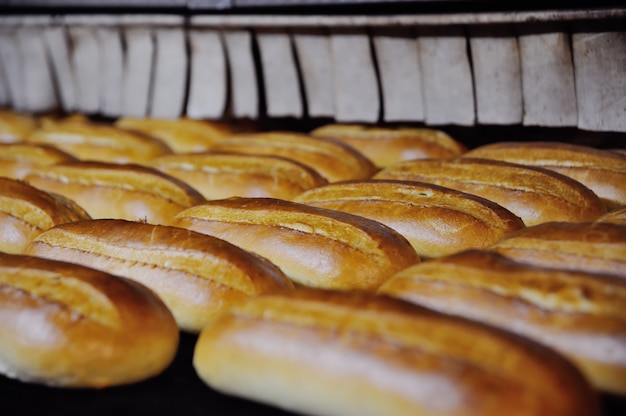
176	392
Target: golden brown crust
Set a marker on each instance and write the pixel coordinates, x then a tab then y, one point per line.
436	221
386	146
594	247
196	275
579	314
219	175
181	135
617	216
66	325
333	160
366	354
14	126
109	190
602	171
534	194
313	246
17	159
26	211
98	142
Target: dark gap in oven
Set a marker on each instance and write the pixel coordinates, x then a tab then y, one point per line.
301	88
188	69
379	86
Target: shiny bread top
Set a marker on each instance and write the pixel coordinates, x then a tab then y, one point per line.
414	194
243	164
168	248
181	135
549	289
552	154
359	233
36	207
124	176
332	159
535	194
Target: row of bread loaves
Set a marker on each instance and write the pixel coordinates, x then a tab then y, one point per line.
392	266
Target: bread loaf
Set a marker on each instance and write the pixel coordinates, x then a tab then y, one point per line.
579	314
26	211
436	221
183	135
14	126
71	326
109	190
598	247
219	175
196	275
602	171
386	146
326	353
333	160
97	142
18	159
312	246
536	195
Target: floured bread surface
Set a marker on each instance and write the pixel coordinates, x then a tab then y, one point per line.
313	246
386	146
219	175
196	275
97	142
436	221
108	190
536	195
372	355
26	211
66	325
333	160
598	247
579	314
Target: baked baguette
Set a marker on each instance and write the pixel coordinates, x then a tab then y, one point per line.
97	142
312	246
578	314
602	171
386	146
196	275
183	135
15	126
598	247
323	353
536	195
17	159
26	211
67	325
123	191
436	221
219	175
333	160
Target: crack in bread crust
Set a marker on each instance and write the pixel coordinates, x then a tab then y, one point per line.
194	263
73	294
